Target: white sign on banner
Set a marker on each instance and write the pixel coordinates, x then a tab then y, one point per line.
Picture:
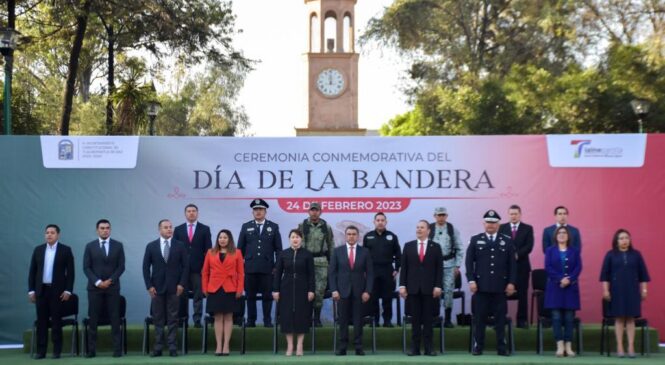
597	150
89	152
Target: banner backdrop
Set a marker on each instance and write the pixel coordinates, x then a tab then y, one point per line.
606	181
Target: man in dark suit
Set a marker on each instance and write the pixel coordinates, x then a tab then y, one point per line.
50	283
103	263
420	284
165	272
351	277
196	237
522	236
491	270
561	215
260	243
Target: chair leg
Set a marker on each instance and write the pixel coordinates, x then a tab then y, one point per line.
144	345
399	311
602	338
647	341
511	337
373	336
243	345
334	335
313	334
539	335
32	341
124	332
471	336
404	335
442	345
580	339
204	337
531	311
84	337
274	339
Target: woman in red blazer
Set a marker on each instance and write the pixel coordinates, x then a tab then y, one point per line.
223	278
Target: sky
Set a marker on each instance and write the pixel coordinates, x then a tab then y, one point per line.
274	96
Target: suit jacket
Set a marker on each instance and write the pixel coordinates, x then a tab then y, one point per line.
63	269
549	239
197	248
491	265
421	277
229	274
98	266
260	250
523	242
347	281
165	276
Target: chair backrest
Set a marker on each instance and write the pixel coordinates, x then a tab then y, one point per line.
458	282
542	311
183	308
239	315
104	317
606	309
538	279
71	307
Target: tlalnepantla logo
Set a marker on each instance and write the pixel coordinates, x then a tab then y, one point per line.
579	145
597	150
585	148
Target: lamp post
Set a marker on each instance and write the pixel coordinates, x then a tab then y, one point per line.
8	38
153	110
641	109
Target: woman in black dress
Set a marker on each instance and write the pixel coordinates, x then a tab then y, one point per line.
624	276
293	289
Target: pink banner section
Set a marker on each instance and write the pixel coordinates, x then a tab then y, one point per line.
346	205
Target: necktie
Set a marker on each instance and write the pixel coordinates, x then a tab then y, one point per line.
491	238
514	232
260	225
167	248
104	247
191	232
352	258
421	252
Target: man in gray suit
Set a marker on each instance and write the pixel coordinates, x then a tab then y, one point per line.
351	277
103	263
165	272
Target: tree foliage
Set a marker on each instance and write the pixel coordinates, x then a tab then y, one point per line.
526	66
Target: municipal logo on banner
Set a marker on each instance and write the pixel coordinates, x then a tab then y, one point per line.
597	150
90	152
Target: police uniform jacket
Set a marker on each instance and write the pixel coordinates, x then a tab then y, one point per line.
259	250
491	265
384	249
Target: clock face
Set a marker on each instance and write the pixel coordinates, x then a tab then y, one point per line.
330	82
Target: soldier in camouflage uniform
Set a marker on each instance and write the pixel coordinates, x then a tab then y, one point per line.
449	238
318	239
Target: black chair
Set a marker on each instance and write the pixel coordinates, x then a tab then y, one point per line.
257	299
458	293
275	332
642	323
490	321
70	312
183	317
366	320
105	321
437	322
238	320
538	281
545	320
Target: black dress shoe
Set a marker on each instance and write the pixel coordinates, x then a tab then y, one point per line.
477	352
448	324
268	325
340	353
413	353
197	325
117	354
360	352
251	324
430	353
502	353
522	325
90	355
218	354
55	356
225	354
317	323
388	325
173	353
39	356
156	353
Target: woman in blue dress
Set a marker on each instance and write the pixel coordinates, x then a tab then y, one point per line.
624	276
562	292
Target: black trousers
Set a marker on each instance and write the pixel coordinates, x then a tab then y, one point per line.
197	301
421	308
165	309
350	309
49	307
384	287
484	305
259	283
522	287
108	302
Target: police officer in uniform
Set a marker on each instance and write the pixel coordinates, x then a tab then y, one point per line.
260	243
449	238
386	256
491	270
318	239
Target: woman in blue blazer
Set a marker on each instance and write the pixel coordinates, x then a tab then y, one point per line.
562	292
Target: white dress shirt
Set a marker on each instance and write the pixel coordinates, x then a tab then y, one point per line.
106	249
49	258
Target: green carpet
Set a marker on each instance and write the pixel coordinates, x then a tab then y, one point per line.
16	357
259	339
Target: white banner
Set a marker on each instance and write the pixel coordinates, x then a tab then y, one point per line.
94	152
597	150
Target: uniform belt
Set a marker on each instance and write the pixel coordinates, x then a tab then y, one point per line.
449	257
47	285
320	255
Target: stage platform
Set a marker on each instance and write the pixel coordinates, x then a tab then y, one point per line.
389	345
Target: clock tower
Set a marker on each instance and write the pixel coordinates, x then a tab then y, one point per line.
332	69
